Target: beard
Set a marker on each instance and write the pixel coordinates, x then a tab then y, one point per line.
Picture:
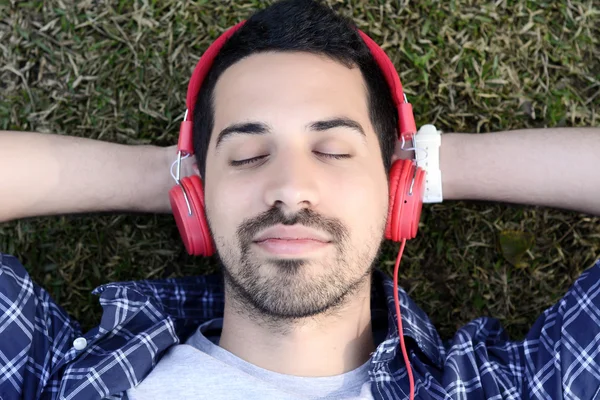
276	289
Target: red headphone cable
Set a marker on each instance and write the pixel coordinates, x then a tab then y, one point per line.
399	317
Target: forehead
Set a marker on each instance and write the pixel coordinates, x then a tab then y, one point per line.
288	86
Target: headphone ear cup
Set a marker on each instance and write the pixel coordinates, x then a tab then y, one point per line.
413	203
405	207
395	173
193	228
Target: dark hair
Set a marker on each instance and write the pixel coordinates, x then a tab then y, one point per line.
304	26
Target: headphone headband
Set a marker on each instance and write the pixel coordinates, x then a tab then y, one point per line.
406	122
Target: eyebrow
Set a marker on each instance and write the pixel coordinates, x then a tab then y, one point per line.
260	128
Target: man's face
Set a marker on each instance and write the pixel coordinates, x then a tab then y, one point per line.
322	218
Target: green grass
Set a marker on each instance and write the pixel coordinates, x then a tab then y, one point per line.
118	71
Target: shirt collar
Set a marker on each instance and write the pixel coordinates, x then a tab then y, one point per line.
191	301
416	325
187	301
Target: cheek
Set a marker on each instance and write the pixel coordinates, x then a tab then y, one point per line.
360	202
226	207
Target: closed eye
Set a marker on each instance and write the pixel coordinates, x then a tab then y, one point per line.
336	156
237	163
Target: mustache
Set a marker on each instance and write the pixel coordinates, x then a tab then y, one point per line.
306	217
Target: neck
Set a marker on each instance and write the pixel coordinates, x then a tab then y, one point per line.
323	345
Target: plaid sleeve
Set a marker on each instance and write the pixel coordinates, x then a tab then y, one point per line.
35	334
561	353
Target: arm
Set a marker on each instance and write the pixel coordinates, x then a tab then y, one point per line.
45	174
554	167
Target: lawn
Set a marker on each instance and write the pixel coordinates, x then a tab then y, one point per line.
118	71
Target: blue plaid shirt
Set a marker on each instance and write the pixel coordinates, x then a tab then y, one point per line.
560	357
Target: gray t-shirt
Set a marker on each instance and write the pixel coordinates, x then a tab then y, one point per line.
200	369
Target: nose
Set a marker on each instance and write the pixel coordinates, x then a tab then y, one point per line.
292	182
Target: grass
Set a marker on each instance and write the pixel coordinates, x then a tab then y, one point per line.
118	71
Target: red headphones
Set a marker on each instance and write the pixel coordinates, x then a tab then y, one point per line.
406	180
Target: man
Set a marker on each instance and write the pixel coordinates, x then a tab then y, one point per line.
293	318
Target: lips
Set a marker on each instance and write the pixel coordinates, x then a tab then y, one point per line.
292	233
291	247
283	240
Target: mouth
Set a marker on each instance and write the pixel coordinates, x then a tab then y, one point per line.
291	247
